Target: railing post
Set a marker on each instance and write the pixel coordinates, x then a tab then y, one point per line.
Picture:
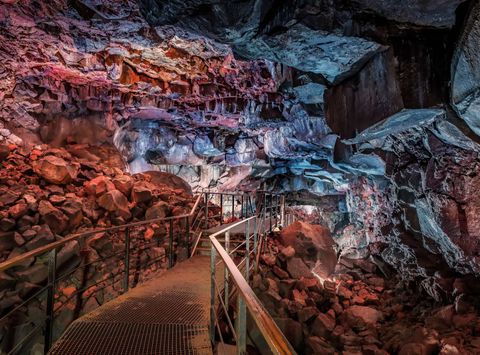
187	232
241	327
206	210
52	267
282	211
127	260
233	207
212	294
226	278
247	247
255	244
221	208
241	208
271	211
276	210
170	245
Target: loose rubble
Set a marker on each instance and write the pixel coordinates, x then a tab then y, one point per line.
47	194
360	310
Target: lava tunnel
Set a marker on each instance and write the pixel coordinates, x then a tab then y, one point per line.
239	176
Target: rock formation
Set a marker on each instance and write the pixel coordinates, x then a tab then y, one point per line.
365	110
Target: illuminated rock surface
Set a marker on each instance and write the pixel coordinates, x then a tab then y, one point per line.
367	110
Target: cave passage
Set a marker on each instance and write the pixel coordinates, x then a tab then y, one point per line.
248	176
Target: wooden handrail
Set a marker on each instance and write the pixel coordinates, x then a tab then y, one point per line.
46	248
267	326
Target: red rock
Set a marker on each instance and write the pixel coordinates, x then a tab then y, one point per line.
297	268
55	170
7	224
115	201
313	243
462	305
149	233
344	292
142	192
68	291
359	316
464	320
124	184
307	313
323	325
288	252
299	296
99	186
318	345
279	272
269	259
53	217
159	210
18	210
56	199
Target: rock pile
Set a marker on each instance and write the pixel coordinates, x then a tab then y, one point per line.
360	311
46	194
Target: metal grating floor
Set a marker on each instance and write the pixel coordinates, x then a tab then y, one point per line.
168	314
105	338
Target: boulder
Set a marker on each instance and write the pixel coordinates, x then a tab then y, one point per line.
124	184
99	186
115	201
56	170
323	325
292	330
142	192
159	210
4	152
311	243
53	217
361	316
297	268
72	208
316	345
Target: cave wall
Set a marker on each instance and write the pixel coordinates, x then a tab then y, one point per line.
307	96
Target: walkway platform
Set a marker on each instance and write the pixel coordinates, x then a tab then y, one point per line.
169	314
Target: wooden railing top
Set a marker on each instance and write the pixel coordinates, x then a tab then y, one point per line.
46	248
265	323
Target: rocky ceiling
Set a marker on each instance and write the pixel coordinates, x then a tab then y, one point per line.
367	108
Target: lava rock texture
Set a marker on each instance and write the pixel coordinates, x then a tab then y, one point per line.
365	108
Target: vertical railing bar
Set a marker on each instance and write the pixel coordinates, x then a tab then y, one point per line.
241	207
226	276
52	267
242	326
127	260
187	231
233	207
170	245
221	208
247	247
212	294
206	210
271	211
255	243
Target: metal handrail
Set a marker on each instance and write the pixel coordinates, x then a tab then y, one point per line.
46	248
274	337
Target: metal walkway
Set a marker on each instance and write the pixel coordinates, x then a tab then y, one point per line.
168	314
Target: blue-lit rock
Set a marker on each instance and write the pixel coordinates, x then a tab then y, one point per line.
466	73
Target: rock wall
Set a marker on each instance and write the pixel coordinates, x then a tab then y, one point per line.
304	97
